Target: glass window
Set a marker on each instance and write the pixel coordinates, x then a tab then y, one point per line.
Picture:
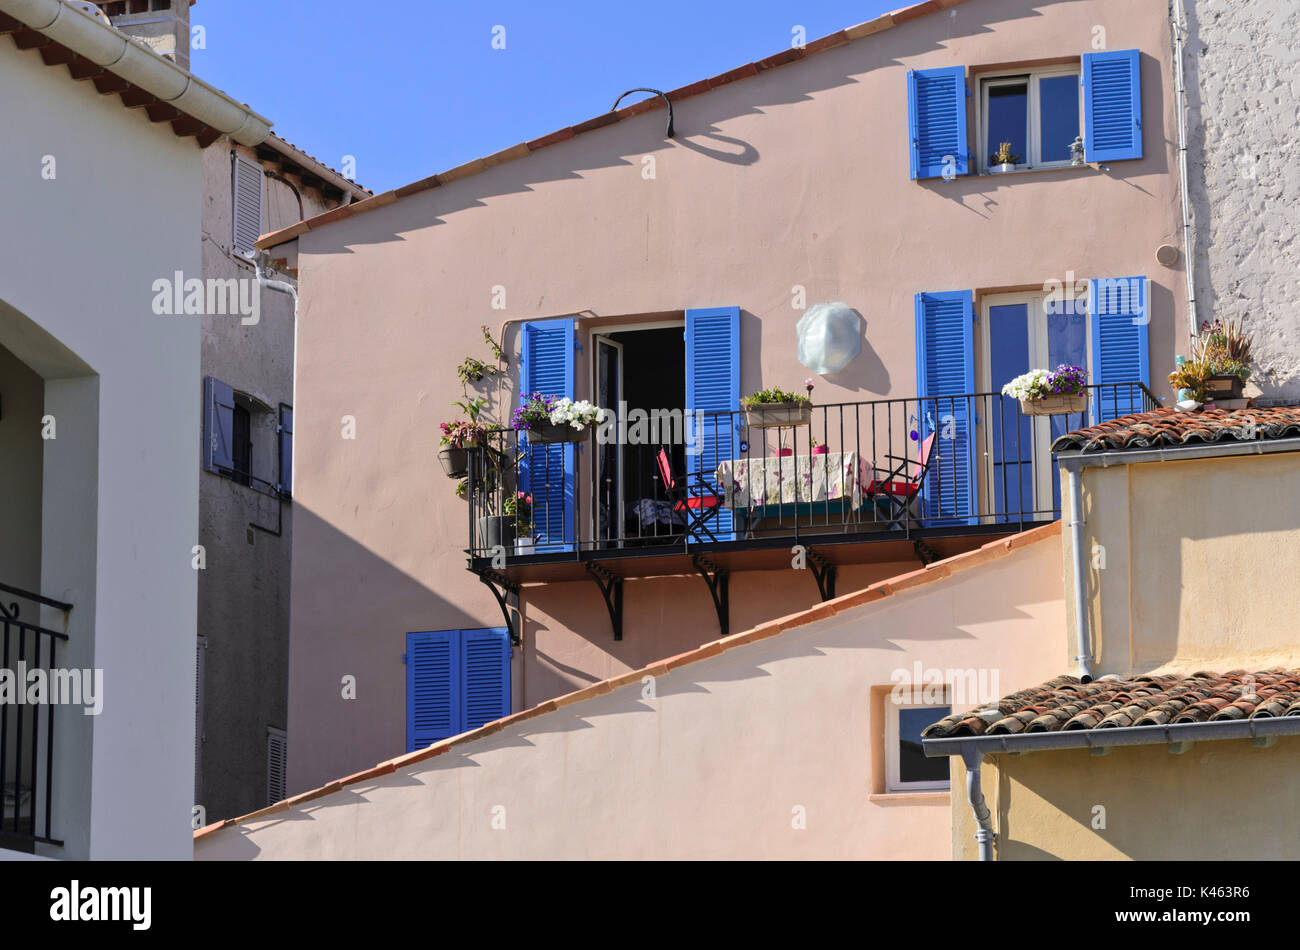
1037	113
1058	116
908	768
1009	118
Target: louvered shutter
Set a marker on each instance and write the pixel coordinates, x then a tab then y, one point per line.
547	471
286	450
485	662
945	375
218	425
247	207
433	680
1112	106
200	664
936	111
713	385
1119	316
277	755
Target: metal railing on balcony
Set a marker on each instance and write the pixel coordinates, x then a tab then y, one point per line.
875	470
27	658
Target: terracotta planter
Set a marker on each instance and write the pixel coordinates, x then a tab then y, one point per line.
1055	405
1225	387
778	415
455	462
547	433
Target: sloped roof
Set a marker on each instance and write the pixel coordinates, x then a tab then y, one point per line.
1169	427
993	551
783	58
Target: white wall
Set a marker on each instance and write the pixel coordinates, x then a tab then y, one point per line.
120	498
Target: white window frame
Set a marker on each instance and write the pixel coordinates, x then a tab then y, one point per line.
894	784
1031	161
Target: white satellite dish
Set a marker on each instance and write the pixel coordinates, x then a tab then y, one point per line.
92	10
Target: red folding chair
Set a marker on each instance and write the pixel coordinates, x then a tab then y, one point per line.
896	491
698	501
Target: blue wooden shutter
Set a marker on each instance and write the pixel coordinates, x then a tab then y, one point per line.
713	385
945	367
1112	106
286	450
547	471
433	687
218	425
936	113
1119	315
485	666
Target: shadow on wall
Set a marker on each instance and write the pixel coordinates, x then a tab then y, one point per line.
697	118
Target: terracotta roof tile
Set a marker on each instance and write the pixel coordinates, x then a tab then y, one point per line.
1065	704
1169	427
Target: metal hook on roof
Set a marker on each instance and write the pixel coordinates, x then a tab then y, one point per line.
661	95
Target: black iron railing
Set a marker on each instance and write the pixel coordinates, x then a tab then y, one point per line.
880	470
28	657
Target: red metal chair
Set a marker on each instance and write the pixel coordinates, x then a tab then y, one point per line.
699	502
898	489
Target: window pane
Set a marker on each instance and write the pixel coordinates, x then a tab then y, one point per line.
1009	118
1059	105
913	766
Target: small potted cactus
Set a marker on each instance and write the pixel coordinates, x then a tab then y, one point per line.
1002	161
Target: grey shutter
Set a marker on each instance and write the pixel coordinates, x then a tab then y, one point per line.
286	450
199	667
277	749
247	191
218	425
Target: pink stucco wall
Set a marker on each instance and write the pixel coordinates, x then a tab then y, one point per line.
796	176
771	749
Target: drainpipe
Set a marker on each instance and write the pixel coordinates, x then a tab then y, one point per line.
985	835
261	260
1074	473
1179	25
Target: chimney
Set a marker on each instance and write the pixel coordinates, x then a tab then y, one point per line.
164	25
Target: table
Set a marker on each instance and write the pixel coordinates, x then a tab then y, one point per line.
771	481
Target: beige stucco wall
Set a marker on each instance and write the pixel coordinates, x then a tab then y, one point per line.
1226	800
716	761
1196	560
798	176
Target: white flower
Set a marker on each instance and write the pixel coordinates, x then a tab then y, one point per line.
1031	385
579	415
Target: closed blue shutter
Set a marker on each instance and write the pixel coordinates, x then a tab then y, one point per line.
547	471
945	367
485	662
218	425
936	112
1119	314
286	450
433	678
713	385
1112	106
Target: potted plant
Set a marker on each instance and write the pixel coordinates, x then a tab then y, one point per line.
818	448
520	507
1225	348
551	419
775	408
1050	393
1191	380
457	439
1002	161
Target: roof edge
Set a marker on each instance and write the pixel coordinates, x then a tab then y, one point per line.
960	563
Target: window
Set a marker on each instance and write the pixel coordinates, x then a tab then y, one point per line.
907	768
245	440
243	443
1037	112
277	753
456	680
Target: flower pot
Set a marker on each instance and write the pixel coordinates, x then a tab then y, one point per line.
774	415
547	433
524	545
820	449
1002	169
784	453
1225	387
496	531
1055	405
455	462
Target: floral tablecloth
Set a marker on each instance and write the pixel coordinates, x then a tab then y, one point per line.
771	481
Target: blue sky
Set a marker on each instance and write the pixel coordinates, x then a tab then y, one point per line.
411	89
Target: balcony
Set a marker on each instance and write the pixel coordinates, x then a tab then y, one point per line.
27	729
860	482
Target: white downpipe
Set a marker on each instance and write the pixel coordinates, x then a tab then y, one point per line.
1179	26
1081	627
136	63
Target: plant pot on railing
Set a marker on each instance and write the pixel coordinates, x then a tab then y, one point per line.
1055	405
773	415
548	433
496	531
820	449
1225	387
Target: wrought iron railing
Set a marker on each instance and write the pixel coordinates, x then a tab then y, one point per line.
879	469
28	654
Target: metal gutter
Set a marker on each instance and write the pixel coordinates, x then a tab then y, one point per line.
1077	458
141	66
1181	736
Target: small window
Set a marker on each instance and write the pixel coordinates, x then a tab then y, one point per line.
243	443
907	768
1037	113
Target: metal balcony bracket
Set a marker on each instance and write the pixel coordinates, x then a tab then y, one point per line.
924	552
506	592
823	572
716	578
611	588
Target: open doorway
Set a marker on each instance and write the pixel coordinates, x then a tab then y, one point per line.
639	373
